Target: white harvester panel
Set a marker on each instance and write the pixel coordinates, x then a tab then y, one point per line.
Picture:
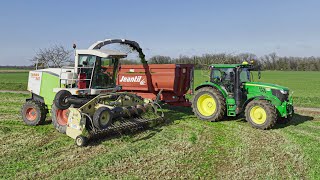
34	82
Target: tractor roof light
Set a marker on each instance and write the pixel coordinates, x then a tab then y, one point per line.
283	91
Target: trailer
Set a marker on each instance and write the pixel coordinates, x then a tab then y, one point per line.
168	83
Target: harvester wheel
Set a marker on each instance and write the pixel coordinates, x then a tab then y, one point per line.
102	118
59	118
33	113
261	114
209	104
60	99
81	141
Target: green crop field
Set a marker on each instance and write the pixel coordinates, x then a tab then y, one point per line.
182	148
16	81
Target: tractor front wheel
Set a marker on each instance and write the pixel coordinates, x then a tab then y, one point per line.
209	104
59	118
261	114
33	113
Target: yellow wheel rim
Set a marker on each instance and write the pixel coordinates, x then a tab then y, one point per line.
206	105
258	115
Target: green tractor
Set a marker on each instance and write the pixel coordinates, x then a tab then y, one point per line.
231	92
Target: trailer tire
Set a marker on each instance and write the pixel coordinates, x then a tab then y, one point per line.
59	118
102	118
60	99
33	113
208	96
261	114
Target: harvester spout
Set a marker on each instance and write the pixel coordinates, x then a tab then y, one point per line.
132	44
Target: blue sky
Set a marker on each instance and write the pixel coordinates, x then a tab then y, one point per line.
287	27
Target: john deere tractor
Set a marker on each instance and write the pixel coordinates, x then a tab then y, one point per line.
231	91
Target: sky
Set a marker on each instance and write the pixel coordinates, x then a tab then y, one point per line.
166	27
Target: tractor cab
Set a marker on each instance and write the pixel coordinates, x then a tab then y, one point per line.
95	72
230	76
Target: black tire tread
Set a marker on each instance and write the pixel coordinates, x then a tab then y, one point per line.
270	110
96	117
41	108
60	128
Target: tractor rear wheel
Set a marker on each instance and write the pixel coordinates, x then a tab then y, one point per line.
59	118
33	113
261	114
209	104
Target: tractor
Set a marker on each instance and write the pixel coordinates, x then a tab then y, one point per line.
83	100
231	91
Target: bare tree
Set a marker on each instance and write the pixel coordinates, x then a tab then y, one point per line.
55	56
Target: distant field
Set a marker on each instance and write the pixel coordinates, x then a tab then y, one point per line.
182	148
17	81
305	85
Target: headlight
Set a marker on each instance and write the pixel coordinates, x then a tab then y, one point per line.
283	91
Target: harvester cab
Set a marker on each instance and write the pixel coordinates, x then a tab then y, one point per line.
231	91
83	99
95	72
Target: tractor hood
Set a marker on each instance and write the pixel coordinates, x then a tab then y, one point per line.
266	85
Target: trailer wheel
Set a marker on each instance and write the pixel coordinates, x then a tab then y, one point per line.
261	114
209	104
102	118
81	141
60	100
33	113
59	118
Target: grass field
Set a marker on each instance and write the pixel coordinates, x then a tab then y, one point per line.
183	147
17	81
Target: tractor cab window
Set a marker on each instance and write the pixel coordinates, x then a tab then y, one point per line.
224	77
222	74
105	73
101	73
86	60
245	75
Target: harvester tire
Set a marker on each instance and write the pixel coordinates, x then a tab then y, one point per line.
59	118
209	104
102	118
81	141
261	114
33	113
60	99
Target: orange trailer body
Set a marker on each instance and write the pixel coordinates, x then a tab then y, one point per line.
174	80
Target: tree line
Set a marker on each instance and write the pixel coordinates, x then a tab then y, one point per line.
267	62
58	56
